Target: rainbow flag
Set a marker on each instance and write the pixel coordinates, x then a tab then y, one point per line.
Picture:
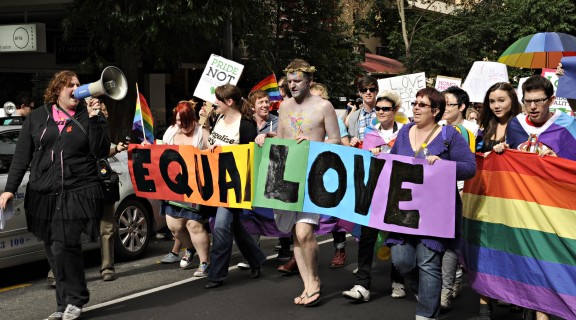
269	85
143	122
519	234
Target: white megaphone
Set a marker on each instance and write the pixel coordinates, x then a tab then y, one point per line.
112	83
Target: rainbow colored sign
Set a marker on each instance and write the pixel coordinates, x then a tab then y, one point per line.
392	193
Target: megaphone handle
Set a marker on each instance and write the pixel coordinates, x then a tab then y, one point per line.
208	112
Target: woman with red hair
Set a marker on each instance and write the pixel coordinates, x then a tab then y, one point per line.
183	218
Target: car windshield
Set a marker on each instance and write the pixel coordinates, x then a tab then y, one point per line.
8	140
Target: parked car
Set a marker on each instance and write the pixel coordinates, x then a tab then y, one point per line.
137	218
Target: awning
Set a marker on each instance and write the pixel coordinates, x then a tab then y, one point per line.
376	64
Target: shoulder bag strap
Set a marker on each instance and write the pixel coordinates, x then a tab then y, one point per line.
72	118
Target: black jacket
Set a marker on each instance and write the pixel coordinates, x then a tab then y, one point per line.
59	161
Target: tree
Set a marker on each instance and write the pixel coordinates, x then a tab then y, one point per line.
155	34
315	33
449	44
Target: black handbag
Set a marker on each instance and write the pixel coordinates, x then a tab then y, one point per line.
109	179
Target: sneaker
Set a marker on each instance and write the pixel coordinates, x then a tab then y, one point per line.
398	290
357	293
171	257
72	312
457	282
55	316
339	259
243	265
186	262
51	282
290	267
283	255
202	270
446	299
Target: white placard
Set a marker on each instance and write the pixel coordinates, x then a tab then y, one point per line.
6	215
519	92
219	71
482	76
23	37
444	82
406	86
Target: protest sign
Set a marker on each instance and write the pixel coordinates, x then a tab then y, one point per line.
482	76
519	92
567	83
444	82
280	183
219	71
406	86
393	193
390	192
185	173
560	103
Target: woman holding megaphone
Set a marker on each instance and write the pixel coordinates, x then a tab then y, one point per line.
60	142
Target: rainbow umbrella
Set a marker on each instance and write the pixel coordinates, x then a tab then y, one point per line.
540	50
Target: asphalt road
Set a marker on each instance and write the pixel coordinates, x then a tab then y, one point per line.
146	289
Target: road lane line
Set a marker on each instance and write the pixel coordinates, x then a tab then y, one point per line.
18	286
168	286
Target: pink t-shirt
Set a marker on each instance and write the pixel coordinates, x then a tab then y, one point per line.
60	117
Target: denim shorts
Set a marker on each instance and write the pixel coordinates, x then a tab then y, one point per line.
179	212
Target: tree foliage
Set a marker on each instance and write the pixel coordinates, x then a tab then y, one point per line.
306	29
155	36
449	44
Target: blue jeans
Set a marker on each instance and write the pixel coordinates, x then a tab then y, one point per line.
229	228
422	272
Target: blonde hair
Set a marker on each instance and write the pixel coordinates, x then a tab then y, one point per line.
320	88
299	65
390	96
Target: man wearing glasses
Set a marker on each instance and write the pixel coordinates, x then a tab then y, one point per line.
360	119
539	130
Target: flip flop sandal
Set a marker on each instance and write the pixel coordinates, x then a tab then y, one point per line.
315	302
298	300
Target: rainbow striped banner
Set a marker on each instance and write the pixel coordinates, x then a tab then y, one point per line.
270	85
143	122
519	237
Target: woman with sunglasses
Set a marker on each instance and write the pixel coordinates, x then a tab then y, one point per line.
426	139
380	139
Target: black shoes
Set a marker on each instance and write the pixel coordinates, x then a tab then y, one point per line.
213	284
255	273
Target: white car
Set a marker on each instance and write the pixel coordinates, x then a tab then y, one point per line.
137	218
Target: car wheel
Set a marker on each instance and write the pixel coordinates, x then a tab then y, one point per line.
134	230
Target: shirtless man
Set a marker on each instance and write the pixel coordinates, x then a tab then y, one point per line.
305	117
